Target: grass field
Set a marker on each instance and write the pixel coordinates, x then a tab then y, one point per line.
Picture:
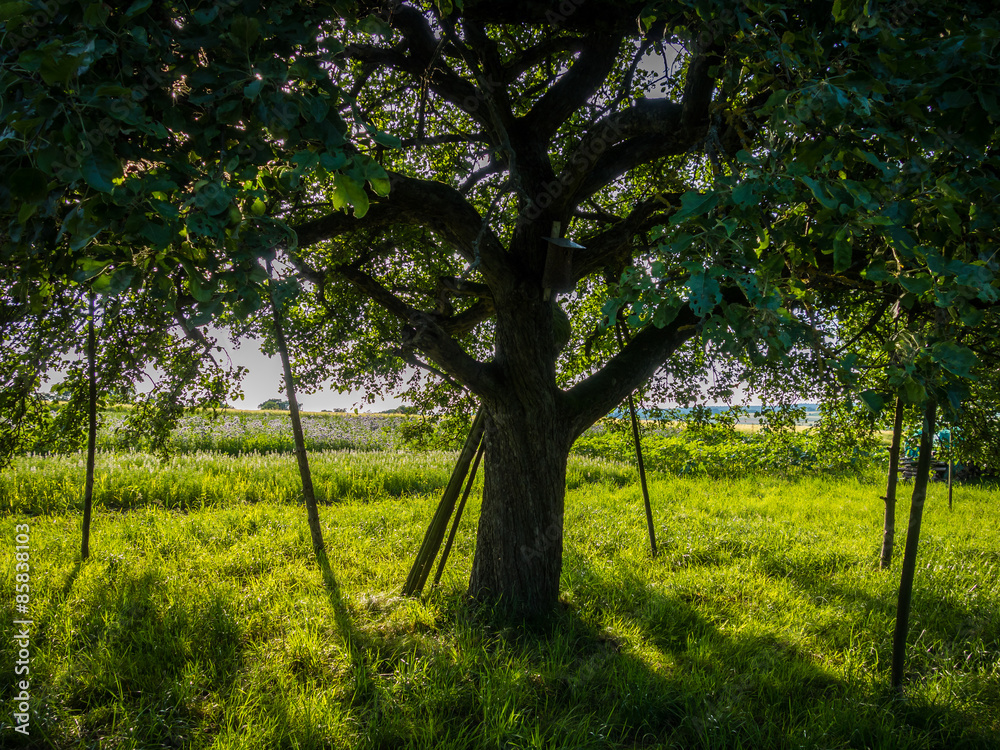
203	621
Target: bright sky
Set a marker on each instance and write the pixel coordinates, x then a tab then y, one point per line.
264	381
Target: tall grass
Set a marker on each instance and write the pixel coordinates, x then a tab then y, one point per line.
764	622
54	484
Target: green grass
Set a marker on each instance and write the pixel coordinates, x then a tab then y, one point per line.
763	623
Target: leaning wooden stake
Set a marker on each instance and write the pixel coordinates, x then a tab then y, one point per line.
308	493
458	514
638	455
439	523
88	493
910	551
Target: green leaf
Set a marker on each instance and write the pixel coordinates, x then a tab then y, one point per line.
947	210
384	139
842	250
913	392
877	271
745	195
139	6
695	204
99	171
956	99
972	316
26	212
251	90
375	26
915	284
244	31
820	193
955	358
348	191
902	240
10	11
95	15
873	401
199	288
29	184
319	108
167	210
705	293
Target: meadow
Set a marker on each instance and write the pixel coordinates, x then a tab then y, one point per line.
202	619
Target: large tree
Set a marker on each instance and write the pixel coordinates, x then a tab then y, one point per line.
516	126
420	169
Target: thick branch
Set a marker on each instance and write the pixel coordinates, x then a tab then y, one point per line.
621	142
425	334
613	246
428	332
594	397
698	88
575	88
424	203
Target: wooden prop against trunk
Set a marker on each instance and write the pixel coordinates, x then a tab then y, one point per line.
439	523
638	456
308	494
88	493
910	551
458	514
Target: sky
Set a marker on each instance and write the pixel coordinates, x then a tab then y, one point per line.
264	381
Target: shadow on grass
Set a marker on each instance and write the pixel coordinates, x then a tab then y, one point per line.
759	688
622	664
139	670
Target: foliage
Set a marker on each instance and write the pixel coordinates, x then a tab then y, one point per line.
274	404
721	450
144	145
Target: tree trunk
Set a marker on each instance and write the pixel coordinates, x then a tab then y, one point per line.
910	551
519	544
88	493
889	524
308	494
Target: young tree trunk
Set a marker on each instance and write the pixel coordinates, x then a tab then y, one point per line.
308	494
910	551
889	524
88	494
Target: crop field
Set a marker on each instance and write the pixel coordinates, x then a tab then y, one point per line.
202	619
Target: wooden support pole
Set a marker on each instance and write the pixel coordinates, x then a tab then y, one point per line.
439	523
889	520
308	493
910	551
638	455
458	514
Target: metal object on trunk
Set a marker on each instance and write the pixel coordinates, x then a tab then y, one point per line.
558	273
